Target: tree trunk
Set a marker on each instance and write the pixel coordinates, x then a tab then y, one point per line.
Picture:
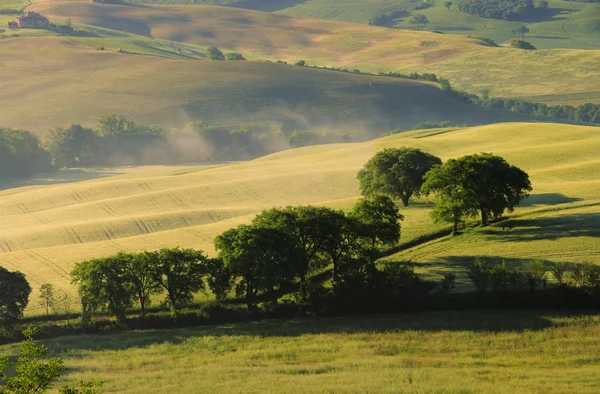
484	219
405	199
455	228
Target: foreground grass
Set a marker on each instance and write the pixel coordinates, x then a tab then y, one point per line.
450	352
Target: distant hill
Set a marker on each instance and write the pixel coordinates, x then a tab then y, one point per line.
557	76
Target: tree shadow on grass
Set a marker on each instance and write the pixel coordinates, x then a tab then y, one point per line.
547	199
476	321
548	228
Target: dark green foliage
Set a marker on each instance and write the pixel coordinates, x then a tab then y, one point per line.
180	272
214	53
235	56
510	10
265	259
378	221
140	273
589	113
72	147
387	19
103	284
419	19
396	172
21	154
481	182
14	296
301	63
487	40
34	373
521	44
448	4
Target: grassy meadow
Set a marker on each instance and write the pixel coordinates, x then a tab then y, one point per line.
46	228
449	352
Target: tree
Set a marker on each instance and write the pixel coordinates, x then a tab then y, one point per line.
75	146
34	373
396	172
103	283
14	296
481	182
234	56
419	19
448	4
140	273
522	31
180	272
379	221
264	258
214	53
47	297
308	226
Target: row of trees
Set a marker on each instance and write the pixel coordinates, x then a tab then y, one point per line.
510	10
21	154
482	184
278	252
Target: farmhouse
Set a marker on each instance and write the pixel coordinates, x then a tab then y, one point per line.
32	21
11	25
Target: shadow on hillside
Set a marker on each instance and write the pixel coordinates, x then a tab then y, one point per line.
550	228
477	321
549	15
548	199
267	6
59	177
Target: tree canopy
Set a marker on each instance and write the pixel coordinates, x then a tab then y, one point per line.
480	182
14	296
396	172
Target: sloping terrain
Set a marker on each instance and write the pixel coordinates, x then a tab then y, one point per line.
556	76
45	229
58	81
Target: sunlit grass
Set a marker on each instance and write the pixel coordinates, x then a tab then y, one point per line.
452	352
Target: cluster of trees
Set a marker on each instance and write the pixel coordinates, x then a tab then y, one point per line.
511	10
118	141
388	18
277	253
21	154
533	275
521	44
479	184
214	53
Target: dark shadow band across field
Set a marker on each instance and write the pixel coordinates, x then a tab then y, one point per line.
472	321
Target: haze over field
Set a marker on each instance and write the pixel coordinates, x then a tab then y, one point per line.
300	196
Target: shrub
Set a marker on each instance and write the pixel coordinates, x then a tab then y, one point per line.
214	53
234	56
521	44
301	63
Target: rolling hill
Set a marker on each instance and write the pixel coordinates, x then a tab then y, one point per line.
47	225
556	76
56	81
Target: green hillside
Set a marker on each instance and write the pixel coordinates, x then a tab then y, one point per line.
48	224
563	25
555	76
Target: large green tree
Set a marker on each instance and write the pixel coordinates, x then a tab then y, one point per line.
103	284
379	221
180	272
139	271
481	182
397	172
263	258
14	296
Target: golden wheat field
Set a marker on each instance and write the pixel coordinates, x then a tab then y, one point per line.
48	224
